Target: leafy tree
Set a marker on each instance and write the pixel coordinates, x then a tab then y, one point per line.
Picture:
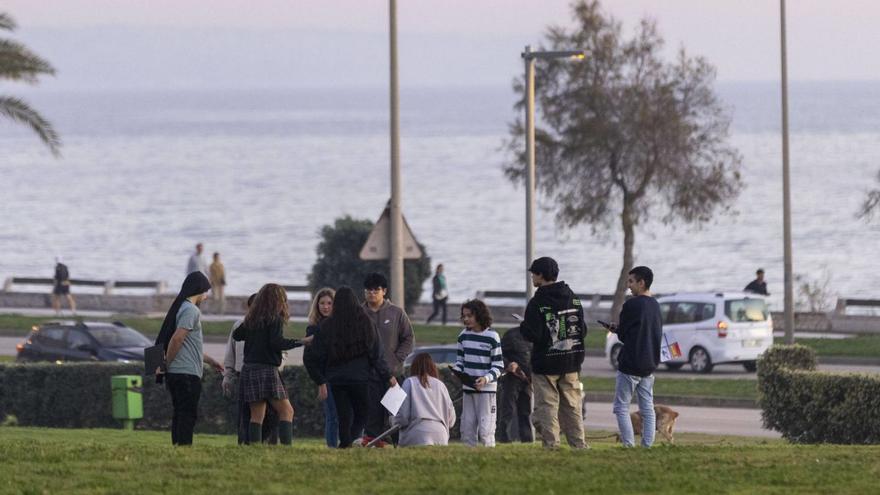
18	63
339	263
624	136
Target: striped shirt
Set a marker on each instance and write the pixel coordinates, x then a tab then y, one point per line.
479	354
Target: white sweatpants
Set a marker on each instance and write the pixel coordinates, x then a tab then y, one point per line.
478	419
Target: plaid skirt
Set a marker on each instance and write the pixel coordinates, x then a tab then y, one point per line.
261	382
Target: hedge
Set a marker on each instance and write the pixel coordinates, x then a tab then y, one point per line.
77	395
807	406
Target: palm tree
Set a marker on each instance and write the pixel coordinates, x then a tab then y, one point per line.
18	63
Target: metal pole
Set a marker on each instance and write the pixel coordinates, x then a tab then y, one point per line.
396	260
786	189
530	167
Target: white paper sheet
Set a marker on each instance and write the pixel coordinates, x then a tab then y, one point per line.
393	399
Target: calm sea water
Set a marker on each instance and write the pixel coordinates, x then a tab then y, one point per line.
254	175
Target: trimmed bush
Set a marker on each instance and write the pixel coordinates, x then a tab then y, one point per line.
78	395
807	406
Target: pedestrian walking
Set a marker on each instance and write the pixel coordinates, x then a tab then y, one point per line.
218	283
515	389
197	263
348	351
397	339
263	334
61	287
439	294
321	309
554	324
640	329
478	359
181	336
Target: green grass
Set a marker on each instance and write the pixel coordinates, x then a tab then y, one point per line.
858	346
689	387
108	461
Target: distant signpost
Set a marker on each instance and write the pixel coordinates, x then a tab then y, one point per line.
378	245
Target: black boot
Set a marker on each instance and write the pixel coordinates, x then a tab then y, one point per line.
255	433
285	432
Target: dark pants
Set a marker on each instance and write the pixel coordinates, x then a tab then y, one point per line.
185	392
514	405
377	417
439	305
352	406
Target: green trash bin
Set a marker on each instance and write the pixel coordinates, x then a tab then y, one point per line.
128	402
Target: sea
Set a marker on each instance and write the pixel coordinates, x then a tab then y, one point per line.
255	175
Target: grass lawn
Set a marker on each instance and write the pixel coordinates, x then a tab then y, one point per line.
691	387
858	346
110	461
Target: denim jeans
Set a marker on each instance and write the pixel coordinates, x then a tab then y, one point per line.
331	422
644	386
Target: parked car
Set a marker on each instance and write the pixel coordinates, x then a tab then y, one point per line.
83	341
441	354
711	328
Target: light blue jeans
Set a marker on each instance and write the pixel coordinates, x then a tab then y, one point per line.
644	386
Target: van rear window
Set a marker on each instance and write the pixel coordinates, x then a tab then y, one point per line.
745	310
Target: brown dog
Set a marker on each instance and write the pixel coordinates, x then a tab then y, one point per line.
665	421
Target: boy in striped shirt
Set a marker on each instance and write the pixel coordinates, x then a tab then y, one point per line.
479	356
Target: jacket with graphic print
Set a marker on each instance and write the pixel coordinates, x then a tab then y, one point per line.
554	323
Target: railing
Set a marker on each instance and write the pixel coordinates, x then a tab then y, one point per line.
108	285
595	299
852	302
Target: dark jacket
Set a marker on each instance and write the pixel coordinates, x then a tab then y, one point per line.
514	348
264	345
757	287
641	331
554	323
322	368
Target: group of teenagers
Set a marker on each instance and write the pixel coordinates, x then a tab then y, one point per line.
354	352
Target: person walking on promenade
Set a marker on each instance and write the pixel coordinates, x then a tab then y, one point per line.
321	309
233	361
218	283
758	286
439	294
397	340
515	388
62	287
478	359
427	413
197	263
554	323
640	329
263	334
347	352
181	336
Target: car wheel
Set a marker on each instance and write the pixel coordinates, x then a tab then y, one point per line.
751	366
674	366
612	356
700	360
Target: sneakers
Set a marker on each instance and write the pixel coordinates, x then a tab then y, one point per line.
366	439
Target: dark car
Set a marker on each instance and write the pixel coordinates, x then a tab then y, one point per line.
441	354
61	341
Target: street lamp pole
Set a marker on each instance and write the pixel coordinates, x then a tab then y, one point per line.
396	210
786	189
529	57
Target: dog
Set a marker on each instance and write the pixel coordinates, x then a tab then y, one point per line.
664	419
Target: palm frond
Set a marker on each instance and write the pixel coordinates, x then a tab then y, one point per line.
18	63
19	111
7	22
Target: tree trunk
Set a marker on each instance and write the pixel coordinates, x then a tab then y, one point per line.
629	237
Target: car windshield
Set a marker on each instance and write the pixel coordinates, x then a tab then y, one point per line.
119	337
745	310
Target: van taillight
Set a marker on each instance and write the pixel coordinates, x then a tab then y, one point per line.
722	329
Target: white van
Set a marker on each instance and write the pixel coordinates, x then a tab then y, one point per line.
711	328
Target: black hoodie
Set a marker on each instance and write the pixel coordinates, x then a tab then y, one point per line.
554	323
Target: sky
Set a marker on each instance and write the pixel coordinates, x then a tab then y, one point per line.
110	44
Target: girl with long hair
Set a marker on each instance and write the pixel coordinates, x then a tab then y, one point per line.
427	413
319	310
347	350
263	334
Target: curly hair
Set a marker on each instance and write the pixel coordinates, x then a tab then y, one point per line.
480	310
269	308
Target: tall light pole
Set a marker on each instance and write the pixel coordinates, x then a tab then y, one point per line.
786	188
396	255
529	57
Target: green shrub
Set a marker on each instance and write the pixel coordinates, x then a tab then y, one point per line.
807	406
339	261
77	395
